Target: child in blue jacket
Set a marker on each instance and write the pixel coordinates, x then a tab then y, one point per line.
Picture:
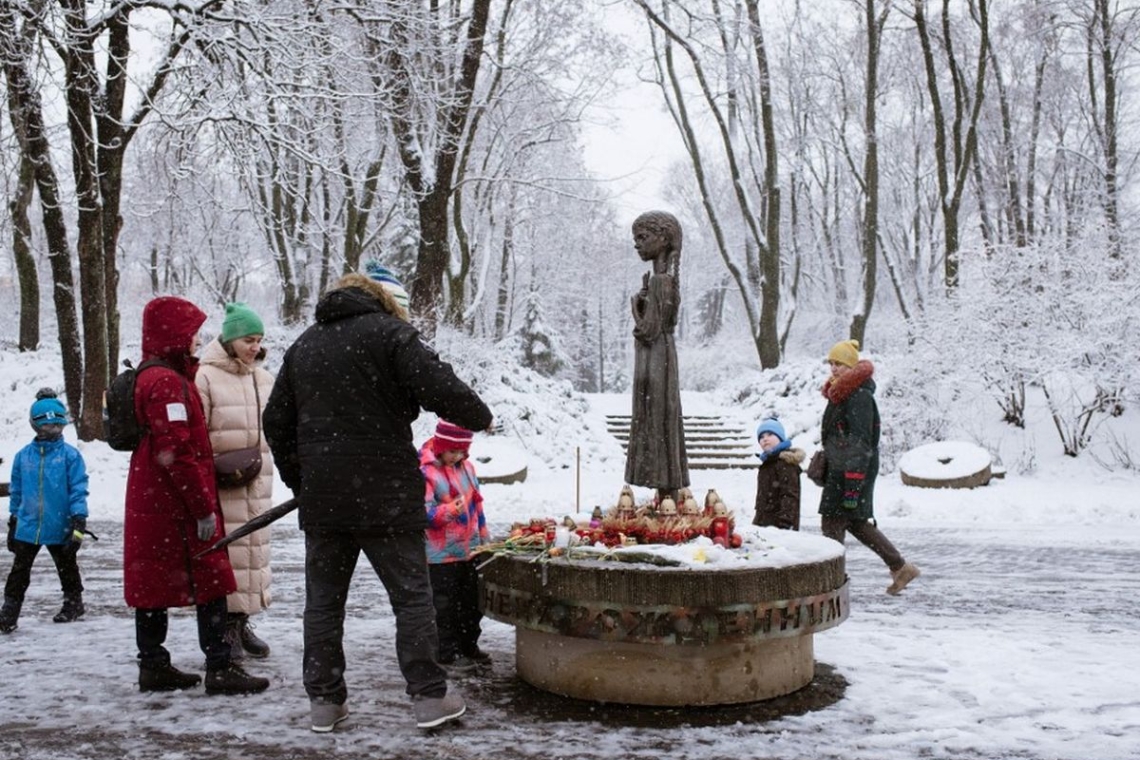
48	502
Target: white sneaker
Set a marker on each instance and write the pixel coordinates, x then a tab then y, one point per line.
325	715
435	711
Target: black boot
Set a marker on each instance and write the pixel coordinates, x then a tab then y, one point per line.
233	680
250	641
233	636
9	614
72	609
165	677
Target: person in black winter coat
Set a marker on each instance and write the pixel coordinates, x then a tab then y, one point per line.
339	424
849	435
778	479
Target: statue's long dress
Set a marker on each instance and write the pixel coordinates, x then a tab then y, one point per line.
656	456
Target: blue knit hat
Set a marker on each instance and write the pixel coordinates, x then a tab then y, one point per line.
47	410
773	426
387	280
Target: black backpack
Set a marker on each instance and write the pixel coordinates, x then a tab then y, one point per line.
121	428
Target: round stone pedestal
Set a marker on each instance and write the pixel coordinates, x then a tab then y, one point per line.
640	634
652	674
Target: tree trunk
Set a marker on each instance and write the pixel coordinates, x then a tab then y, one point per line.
22	252
506	264
112	147
81	88
1103	32
769	338
870	171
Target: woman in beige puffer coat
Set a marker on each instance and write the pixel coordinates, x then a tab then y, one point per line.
234	390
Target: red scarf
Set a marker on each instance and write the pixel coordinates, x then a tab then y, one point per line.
839	389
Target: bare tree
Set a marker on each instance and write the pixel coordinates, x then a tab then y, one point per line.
1109	31
428	134
751	164
954	151
53	44
17	42
874	21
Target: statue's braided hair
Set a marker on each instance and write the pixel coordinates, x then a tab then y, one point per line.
664	223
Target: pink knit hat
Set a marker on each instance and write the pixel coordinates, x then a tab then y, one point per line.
450	437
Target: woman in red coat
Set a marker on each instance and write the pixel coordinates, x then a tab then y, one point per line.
172	510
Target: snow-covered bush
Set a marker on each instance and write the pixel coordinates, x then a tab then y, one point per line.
527	405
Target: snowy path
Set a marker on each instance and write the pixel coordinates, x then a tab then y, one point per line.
1016	643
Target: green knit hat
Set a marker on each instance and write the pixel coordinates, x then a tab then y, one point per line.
240	321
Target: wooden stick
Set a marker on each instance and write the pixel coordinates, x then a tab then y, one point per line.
577	479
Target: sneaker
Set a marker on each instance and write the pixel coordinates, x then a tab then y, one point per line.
435	711
233	680
460	665
166	678
71	611
251	644
325	715
901	578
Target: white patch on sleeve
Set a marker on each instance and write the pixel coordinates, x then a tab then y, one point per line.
176	412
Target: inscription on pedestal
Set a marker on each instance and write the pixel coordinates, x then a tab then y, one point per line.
648	624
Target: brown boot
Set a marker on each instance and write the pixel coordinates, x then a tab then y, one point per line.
901	578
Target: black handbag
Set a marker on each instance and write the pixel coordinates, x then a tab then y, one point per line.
817	468
238	468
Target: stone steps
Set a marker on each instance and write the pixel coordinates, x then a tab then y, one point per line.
712	442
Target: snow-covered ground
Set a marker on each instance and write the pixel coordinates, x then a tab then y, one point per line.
1020	640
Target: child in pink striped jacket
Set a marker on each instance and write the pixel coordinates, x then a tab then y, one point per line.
456	527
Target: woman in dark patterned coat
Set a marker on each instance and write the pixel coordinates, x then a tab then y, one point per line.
656	456
849	435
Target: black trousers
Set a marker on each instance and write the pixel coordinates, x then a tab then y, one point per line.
150	635
400	561
21	574
455	591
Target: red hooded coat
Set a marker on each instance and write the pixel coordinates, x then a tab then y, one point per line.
171	480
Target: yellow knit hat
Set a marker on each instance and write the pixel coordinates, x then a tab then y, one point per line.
845	352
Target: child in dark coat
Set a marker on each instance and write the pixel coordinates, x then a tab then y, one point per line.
48	504
778	479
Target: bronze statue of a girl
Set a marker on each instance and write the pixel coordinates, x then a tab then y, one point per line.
656	456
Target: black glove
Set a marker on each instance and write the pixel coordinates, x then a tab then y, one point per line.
76	532
12	534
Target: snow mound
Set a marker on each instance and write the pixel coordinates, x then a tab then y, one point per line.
946	464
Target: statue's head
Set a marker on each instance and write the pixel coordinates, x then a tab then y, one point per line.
664	224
